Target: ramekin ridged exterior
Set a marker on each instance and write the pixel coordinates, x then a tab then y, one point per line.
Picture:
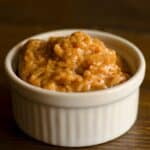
78	119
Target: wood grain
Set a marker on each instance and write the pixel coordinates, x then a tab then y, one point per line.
20	19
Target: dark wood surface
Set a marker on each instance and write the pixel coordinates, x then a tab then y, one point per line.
20	19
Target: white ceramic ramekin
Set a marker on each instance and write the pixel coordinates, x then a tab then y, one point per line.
78	119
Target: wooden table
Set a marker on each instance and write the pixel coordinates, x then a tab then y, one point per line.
20	19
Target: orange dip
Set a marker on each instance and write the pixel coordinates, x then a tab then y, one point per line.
74	63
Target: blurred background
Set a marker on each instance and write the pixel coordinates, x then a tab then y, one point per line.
123	14
22	18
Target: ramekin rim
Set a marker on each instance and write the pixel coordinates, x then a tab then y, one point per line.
14	77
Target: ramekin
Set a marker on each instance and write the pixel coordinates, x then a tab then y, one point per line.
77	119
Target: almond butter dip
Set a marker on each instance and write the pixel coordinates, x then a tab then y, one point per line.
74	63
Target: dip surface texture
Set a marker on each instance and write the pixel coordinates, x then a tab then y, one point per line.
74	63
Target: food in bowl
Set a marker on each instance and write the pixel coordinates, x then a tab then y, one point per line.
81	118
74	63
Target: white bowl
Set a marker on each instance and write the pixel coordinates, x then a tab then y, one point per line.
78	119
